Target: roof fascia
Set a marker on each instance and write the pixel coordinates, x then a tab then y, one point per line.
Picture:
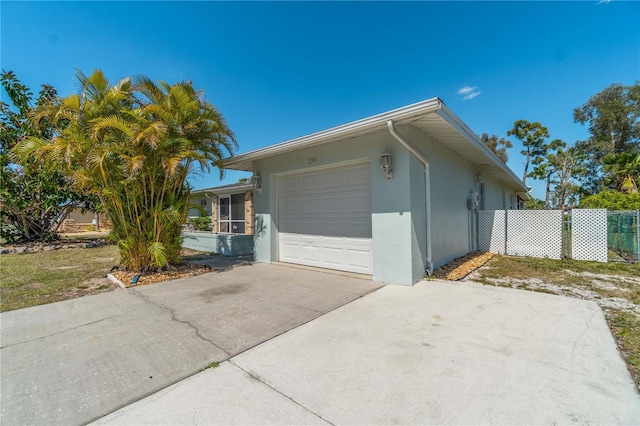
416	109
222	189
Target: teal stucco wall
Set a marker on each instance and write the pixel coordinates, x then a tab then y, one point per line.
224	244
397	206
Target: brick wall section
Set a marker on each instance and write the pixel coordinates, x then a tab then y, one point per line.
248	213
214	214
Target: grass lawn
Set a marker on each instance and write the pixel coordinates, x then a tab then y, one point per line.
50	276
614	286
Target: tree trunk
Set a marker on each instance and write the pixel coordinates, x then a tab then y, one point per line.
548	192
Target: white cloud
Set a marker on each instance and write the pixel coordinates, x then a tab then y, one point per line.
466	89
604	1
471	96
468	92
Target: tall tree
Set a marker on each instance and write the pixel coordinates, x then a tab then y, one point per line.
613	118
133	144
498	145
34	198
532	136
546	168
568	165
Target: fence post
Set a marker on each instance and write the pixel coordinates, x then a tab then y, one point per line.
562	254
638	235
506	230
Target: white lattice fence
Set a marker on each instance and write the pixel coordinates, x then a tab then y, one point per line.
536	233
589	234
492	231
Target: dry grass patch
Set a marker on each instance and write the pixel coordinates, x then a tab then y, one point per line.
32	279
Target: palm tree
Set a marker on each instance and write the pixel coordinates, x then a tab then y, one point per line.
625	168
134	144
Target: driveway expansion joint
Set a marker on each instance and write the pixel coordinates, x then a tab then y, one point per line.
174	318
66	330
258	378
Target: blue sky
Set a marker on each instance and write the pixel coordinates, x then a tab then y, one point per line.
279	70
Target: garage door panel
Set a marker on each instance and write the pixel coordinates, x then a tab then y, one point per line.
332	204
332	180
333	229
359	258
289	251
310	182
311	253
290	207
311	228
325	219
333	256
310	206
290	184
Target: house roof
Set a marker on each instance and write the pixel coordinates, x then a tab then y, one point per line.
225	188
431	116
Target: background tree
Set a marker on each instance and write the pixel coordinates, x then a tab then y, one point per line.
568	166
613	117
532	136
133	144
34	198
624	169
498	145
546	167
534	203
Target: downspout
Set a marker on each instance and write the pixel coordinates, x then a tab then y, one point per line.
427	185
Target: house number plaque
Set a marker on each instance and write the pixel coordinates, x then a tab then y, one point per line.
312	160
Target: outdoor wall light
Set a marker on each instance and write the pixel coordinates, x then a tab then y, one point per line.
385	165
256	182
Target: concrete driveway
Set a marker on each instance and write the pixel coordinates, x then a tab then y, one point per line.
436	353
75	361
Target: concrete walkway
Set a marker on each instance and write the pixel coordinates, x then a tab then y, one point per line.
436	353
75	361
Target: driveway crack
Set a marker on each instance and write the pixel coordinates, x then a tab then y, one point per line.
176	319
258	378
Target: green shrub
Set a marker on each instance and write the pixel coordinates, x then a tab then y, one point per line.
612	200
201	223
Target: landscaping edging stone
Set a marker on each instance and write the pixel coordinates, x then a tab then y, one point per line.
37	247
116	281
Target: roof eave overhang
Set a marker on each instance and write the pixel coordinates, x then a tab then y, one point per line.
405	115
223	189
355	128
452	120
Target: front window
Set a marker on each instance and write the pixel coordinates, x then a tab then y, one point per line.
231	214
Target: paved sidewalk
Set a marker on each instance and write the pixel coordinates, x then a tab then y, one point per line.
435	353
75	361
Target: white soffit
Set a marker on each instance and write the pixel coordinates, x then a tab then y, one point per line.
430	116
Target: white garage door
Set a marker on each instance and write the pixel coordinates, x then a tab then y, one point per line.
325	218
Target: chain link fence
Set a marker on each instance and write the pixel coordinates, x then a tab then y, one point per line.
623	235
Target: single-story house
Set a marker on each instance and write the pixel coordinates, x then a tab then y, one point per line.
78	221
394	195
229	206
231	210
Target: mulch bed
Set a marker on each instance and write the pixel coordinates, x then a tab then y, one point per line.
181	271
462	266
